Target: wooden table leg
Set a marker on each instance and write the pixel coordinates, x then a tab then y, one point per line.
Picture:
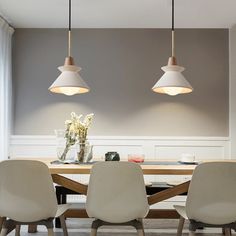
70	184
225	231
17	230
168	193
32	228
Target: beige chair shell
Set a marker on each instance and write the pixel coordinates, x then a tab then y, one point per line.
27	192
212	195
116	192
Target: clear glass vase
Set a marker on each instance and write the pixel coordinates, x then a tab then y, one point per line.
84	152
64	152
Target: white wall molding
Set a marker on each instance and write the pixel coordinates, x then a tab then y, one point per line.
45	138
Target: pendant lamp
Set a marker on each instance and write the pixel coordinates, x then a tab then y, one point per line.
172	81
69	82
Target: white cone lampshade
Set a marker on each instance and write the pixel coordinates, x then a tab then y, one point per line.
69	82
172	82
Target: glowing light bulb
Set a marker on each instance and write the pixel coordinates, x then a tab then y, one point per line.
172	91
69	91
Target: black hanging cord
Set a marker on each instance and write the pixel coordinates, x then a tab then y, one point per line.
173	16
69	15
173	30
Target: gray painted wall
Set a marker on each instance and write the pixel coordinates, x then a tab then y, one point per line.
121	66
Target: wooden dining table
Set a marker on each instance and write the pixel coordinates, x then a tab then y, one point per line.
160	167
149	168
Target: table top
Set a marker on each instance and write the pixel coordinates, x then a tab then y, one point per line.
167	168
160	169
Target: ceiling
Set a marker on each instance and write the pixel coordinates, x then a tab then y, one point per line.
119	13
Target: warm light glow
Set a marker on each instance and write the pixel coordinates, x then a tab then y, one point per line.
173	91
69	91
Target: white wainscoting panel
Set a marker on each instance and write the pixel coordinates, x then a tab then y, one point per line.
200	152
154	148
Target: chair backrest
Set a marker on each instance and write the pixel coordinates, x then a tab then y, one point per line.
212	193
116	192
26	191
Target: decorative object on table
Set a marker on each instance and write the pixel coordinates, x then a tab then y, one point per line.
69	82
187	158
67	154
76	134
137	158
172	82
112	156
84	152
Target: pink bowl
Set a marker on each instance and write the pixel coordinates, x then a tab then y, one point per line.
136	158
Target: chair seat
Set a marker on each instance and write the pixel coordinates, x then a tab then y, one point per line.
61	209
181	210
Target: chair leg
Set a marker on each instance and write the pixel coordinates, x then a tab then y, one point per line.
95	225
227	231
141	220
223	231
3	231
63	225
180	226
32	228
191	233
1	222
50	232
8	226
141	232
138	224
93	232
17	230
49	225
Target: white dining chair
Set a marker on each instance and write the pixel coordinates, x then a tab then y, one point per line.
27	196
211	199
116	195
